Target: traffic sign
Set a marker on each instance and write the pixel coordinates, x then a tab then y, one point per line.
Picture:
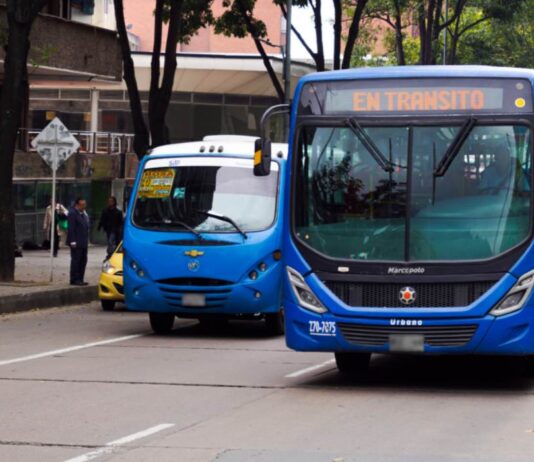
55	144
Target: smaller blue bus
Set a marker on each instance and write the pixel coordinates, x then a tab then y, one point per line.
202	236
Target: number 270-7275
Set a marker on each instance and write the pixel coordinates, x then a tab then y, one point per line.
326	328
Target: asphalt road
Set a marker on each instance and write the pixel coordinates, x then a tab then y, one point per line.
79	384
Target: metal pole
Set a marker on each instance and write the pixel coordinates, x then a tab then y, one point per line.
445	33
287	57
53	212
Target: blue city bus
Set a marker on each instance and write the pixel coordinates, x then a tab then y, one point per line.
202	236
409	213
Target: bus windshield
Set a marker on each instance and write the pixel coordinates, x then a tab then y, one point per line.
351	207
205	196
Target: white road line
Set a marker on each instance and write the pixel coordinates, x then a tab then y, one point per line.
68	350
310	369
111	446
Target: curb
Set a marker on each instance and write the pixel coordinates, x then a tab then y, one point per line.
48	299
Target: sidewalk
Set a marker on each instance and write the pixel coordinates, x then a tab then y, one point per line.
32	288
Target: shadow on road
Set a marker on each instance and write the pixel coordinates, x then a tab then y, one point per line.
431	373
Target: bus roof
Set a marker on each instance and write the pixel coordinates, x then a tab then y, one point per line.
218	145
399	72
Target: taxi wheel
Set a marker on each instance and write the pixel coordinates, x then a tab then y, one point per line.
161	323
107	305
352	363
274	323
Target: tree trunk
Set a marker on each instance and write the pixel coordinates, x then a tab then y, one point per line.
20	17
141	141
160	96
352	36
399	39
318	21
261	50
337	33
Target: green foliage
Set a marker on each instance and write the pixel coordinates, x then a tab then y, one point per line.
44	55
194	15
237	17
506	41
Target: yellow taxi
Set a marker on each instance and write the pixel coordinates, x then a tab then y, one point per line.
111	283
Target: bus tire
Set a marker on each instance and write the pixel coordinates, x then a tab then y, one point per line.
161	323
107	305
350	363
274	323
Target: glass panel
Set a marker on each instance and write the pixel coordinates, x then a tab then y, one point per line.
349	206
24	197
480	208
168	198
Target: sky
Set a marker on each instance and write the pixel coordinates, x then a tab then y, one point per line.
302	19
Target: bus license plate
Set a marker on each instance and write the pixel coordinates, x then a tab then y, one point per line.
407	343
194	300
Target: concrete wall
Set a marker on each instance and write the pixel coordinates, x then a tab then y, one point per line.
71	47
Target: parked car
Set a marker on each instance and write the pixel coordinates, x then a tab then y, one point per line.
111	285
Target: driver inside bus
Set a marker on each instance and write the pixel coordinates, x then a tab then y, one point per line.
505	172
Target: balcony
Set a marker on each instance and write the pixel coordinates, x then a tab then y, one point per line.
60	47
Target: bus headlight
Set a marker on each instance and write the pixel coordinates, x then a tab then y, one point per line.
516	296
304	294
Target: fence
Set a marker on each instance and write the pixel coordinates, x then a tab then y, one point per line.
90	142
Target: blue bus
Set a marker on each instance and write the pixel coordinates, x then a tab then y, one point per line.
409	213
202	237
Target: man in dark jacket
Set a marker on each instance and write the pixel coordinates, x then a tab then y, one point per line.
111	223
78	241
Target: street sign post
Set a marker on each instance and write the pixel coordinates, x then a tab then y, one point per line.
55	144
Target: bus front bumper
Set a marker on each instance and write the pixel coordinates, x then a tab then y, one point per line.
234	300
511	334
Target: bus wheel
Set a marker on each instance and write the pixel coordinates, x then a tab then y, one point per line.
161	323
107	305
274	323
352	363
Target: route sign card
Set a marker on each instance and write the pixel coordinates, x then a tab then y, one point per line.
156	183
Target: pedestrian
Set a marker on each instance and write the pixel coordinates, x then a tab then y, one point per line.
78	240
61	214
111	223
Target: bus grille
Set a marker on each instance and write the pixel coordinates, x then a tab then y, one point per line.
430	295
215	291
437	336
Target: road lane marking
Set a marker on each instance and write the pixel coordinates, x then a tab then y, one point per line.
310	369
68	349
111	446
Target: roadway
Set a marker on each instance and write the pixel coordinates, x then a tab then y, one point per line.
79	384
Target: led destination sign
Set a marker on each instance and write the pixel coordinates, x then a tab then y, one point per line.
408	96
432	99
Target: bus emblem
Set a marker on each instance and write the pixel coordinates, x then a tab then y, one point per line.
193	253
193	266
407	295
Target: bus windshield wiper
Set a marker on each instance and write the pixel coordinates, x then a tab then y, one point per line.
218	216
183	225
369	144
455	147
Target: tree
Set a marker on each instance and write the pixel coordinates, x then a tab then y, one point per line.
238	20
396	14
184	19
20	17
350	21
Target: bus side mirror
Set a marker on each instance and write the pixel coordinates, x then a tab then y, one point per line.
262	146
262	157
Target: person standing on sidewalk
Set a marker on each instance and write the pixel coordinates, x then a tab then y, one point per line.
78	241
61	212
111	223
